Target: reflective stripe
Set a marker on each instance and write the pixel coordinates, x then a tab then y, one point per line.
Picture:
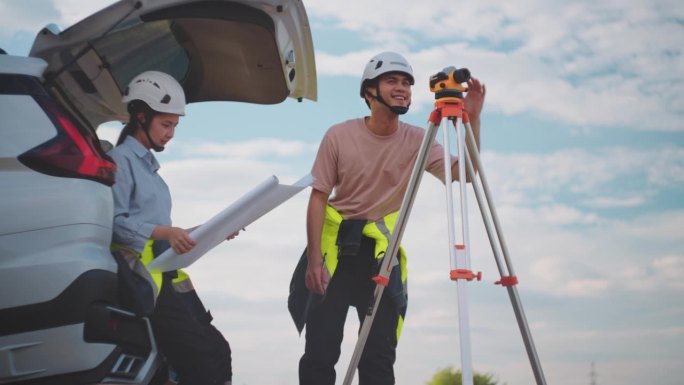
136	264
182	283
147	256
382	243
400	325
380	231
383	228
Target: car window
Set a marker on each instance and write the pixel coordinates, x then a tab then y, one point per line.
155	37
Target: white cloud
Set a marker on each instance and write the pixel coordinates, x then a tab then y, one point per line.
601	63
73	11
657	227
31	16
597	175
666	166
615	202
672	266
21	16
254	148
109	132
561	214
586	63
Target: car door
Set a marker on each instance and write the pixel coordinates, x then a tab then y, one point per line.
219	50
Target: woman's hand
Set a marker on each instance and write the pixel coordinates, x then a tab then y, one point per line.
235	234
180	240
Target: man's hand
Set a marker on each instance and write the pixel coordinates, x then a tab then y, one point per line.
474	99
317	276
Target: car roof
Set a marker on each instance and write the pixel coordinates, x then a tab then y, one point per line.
22	65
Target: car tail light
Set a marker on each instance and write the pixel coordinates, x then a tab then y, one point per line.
74	152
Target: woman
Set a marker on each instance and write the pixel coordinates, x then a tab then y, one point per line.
194	348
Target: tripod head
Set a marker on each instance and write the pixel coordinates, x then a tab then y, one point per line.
448	83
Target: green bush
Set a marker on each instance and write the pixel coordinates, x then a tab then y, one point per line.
448	376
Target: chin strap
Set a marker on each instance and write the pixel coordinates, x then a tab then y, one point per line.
399	110
146	129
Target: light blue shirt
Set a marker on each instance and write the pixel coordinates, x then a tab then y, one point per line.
142	199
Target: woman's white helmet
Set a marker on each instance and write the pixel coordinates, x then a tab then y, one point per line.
383	63
159	90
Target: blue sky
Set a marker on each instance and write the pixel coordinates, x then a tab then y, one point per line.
583	144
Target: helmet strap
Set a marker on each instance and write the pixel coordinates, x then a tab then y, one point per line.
146	128
399	110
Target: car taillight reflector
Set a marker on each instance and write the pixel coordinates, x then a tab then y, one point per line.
73	152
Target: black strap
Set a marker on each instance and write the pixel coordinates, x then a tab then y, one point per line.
349	237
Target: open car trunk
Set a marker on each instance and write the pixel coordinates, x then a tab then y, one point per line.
219	50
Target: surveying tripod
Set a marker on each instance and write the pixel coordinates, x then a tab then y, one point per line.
449	106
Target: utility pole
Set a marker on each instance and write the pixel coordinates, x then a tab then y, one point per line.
592	374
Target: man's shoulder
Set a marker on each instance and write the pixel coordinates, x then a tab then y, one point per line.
341	130
410	130
345	124
408	126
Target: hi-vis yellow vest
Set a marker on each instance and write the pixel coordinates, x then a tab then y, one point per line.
181	283
380	230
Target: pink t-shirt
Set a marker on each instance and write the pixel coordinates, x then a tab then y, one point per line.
370	173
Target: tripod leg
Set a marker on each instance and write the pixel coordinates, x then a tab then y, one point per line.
512	290
459	254
392	249
463	263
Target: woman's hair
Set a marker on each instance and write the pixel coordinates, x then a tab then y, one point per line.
134	108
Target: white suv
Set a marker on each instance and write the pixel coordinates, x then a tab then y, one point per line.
60	318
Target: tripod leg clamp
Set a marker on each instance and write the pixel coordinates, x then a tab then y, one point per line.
464	274
510	280
380	280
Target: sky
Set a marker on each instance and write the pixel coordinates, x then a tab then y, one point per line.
583	148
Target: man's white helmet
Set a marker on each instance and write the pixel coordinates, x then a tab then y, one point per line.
159	90
383	63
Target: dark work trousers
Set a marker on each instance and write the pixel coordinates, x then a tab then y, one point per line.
351	285
194	348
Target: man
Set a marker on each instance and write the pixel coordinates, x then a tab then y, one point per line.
368	163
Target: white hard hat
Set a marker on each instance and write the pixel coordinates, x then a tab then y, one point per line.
383	63
159	90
